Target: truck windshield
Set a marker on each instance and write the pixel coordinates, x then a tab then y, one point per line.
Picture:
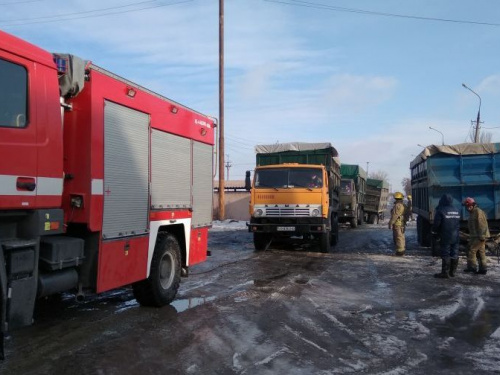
345	187
13	95
288	178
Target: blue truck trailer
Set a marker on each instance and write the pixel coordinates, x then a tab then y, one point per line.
462	170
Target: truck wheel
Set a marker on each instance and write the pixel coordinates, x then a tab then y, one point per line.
371	219
435	247
426	233
324	242
354	222
360	216
419	230
160	288
261	241
334	233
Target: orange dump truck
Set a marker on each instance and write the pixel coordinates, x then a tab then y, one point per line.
295	193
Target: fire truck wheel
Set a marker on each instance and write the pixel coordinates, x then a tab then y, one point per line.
160	288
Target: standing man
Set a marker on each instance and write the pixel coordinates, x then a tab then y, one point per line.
397	223
447	226
478	232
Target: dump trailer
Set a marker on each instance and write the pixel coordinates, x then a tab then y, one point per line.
295	194
103	183
462	170
377	192
352	194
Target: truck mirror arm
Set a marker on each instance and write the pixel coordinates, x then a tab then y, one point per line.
248	184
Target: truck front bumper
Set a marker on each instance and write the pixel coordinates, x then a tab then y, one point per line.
288	227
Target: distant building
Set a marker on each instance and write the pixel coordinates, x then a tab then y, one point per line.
237	200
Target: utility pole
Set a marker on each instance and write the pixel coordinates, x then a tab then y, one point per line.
228	165
367	164
476	133
222	202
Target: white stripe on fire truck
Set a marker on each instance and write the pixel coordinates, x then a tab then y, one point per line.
49	186
44	186
97	187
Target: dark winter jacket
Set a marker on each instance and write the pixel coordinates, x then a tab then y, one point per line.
447	221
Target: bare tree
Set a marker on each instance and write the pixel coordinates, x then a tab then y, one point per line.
379	175
406	184
484	137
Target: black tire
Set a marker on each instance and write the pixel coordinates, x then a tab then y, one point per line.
160	288
324	242
435	247
354	222
334	233
419	230
372	218
261	241
361	214
426	233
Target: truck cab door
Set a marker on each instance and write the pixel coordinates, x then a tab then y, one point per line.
18	134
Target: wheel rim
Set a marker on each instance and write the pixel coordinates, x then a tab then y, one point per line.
166	271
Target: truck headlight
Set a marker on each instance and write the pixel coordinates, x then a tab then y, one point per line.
315	212
258	212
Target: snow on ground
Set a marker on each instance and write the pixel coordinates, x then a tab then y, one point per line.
228	225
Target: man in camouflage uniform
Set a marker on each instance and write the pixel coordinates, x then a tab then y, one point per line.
478	233
397	223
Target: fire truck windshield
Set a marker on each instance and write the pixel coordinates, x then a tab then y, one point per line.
288	178
13	95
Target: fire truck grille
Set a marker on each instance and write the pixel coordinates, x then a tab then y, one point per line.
287	212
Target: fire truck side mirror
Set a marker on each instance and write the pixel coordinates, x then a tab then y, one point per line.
248	184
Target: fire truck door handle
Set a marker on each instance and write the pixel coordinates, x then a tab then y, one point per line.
26	183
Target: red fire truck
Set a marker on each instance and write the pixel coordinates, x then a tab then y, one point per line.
103	183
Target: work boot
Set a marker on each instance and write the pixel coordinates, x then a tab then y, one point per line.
470	269
481	272
400	253
445	270
453	267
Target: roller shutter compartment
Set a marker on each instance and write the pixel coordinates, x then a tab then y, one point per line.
126	171
171	171
202	184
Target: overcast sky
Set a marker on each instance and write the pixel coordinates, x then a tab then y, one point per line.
369	76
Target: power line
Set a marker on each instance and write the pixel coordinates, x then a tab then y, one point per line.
240	144
75	15
308	4
21	2
248	141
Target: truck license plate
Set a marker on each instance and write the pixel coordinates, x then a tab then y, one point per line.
286	229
